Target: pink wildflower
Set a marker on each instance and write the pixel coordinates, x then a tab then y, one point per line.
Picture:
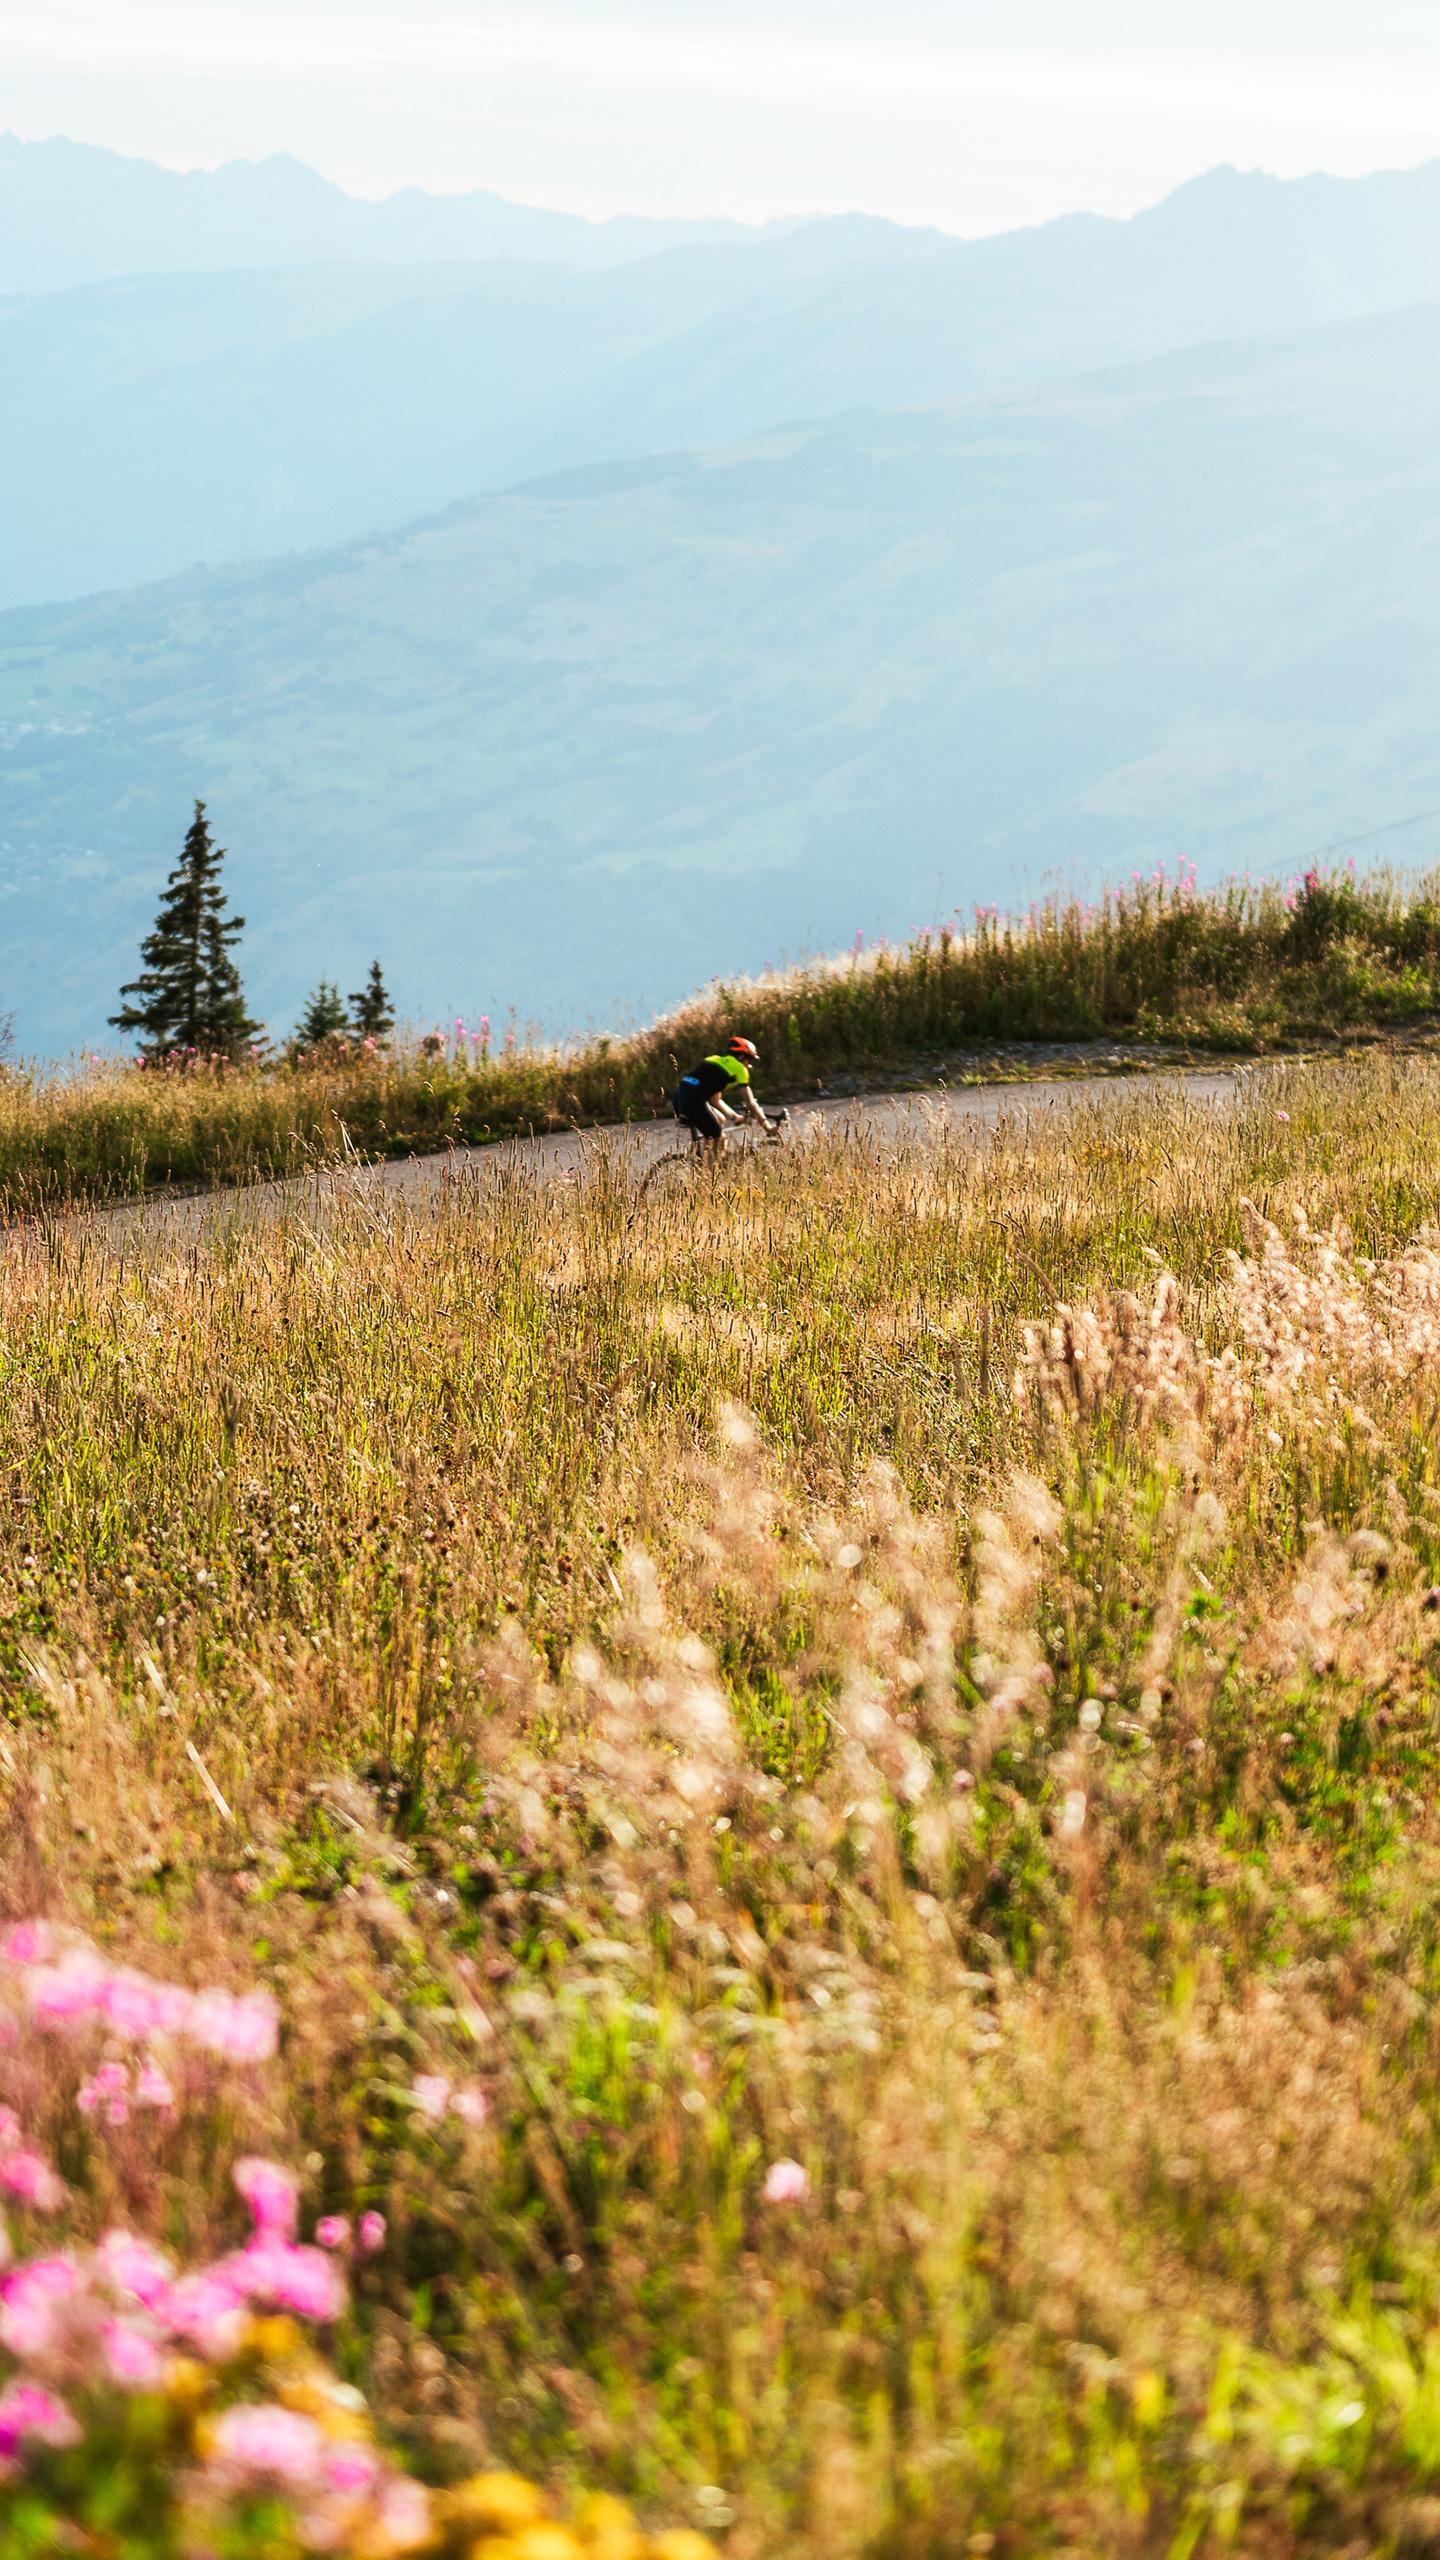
208	2309
107	2093
333	2231
132	2266
471	2105
372	2232
261	2441
28	1942
785	2183
28	2410
239	2029
291	2276
430	2094
132	2355
1284	1117
272	2195
403	2517
28	2176
72	1989
152	2089
30	2299
351	2470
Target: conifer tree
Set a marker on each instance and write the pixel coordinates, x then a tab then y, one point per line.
372	1015
188	996
323	1020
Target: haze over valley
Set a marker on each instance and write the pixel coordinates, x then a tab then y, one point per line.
572	611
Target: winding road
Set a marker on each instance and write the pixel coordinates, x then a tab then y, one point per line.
885	1119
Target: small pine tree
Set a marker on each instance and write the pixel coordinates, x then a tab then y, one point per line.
188	995
323	1020
372	1015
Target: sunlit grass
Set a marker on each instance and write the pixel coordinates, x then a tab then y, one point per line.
653	1657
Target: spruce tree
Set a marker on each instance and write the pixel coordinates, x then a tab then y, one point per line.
188	995
372	1015
323	1020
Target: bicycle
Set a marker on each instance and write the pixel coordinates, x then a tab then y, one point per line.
699	1161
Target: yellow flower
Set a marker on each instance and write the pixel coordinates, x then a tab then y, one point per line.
275	2340
496	2502
681	2544
608	2529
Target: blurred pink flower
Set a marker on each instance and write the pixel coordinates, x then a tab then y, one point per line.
430	2094
27	2409
292	2276
30	2299
28	1942
243	2028
152	2089
351	2470
333	2231
272	2194
262	2441
785	2183
106	2092
372	2232
132	2266
28	2176
132	2355
207	2309
471	2105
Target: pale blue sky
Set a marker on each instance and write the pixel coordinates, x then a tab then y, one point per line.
971	113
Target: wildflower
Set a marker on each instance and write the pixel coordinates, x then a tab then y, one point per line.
30	2300
294	2277
238	2028
430	2095
471	2105
333	2231
152	2089
272	2195
132	2266
132	2355
28	2410
372	2232
261	2442
1284	1118
107	2093
207	2309
28	2176
786	2183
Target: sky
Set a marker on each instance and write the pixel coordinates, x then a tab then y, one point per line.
972	114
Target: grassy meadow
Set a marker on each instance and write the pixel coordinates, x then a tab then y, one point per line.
1244	970
886	1713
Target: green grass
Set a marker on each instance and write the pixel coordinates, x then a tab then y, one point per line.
749	1680
1244	970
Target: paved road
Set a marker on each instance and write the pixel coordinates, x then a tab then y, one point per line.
884	1118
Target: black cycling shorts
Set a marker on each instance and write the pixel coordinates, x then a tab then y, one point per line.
693	1111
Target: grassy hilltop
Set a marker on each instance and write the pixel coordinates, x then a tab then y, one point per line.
1245	969
880	1724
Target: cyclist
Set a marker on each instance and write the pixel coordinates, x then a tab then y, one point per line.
703	1101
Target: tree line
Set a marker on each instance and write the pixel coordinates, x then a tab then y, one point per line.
188	1000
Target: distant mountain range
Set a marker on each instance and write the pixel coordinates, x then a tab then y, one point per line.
71	214
573	747
156	420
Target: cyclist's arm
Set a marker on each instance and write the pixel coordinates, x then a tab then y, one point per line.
753	1107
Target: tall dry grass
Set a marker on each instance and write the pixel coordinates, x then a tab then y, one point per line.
887	1710
1245	969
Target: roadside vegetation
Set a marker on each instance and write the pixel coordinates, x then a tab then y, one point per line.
837	1790
1245	970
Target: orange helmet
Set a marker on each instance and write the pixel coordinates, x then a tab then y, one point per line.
745	1049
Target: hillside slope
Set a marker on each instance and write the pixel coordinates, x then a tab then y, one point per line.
157	421
580	747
